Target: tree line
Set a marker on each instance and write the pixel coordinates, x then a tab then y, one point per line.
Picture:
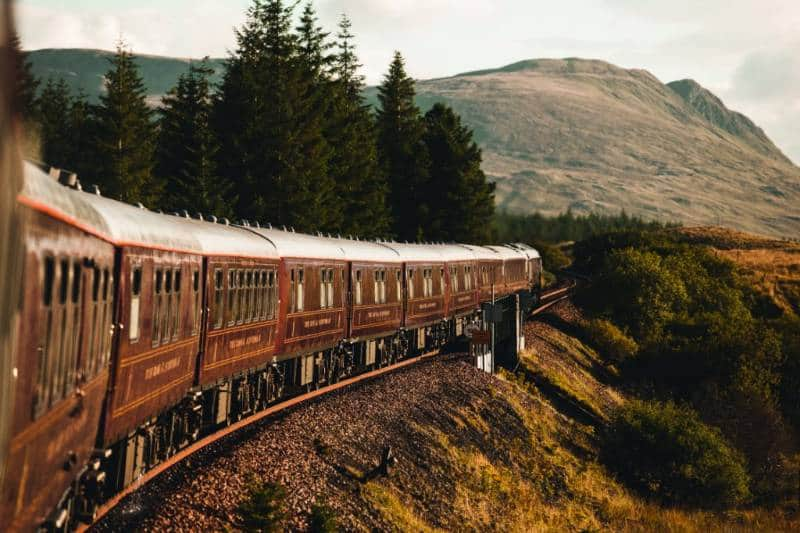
285	138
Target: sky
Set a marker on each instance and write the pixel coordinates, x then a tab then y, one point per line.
745	51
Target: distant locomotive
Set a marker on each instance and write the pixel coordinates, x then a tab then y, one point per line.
142	332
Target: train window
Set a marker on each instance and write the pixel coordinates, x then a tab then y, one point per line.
454	279
219	293
272	300
44	348
331	303
176	312
323	289
242	290
300	300
410	283
382	286
441	281
427	282
166	331
468	278
136	291
56	362
232	300
196	302
292	303
247	303
95	326
105	322
74	328
398	281
158	281
263	295
357	289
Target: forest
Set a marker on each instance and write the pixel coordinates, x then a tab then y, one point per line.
285	139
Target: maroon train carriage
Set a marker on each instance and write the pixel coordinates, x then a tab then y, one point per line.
375	315
425	299
61	370
313	279
534	268
488	264
513	277
169	273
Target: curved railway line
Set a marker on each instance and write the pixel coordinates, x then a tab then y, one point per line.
548	299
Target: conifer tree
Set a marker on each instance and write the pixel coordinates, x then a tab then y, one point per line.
54	104
361	182
462	199
125	140
402	151
272	140
187	148
27	84
81	124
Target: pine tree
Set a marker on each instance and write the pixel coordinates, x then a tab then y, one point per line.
272	141
54	104
463	200
402	152
361	183
27	84
188	148
125	135
82	128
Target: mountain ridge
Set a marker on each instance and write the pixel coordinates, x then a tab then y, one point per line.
579	134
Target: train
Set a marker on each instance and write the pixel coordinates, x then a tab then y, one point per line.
141	332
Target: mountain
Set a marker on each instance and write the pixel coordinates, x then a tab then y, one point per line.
85	69
584	135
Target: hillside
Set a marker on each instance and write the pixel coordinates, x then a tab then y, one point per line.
585	135
475	453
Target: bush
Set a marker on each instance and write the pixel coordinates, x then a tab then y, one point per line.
664	450
323	519
610	341
264	509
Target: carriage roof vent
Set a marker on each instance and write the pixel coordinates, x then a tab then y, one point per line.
96	190
293	229
226	221
269	225
140	205
338	235
284	227
199	216
213	219
258	224
185	214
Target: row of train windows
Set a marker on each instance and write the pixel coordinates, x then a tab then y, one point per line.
166	324
75	336
379	291
252	296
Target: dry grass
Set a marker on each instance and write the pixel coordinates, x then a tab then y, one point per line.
771	266
548	479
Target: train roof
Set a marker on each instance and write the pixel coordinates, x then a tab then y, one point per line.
482	252
527	249
507	253
301	245
419	252
126	225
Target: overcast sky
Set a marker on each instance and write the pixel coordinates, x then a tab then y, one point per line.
746	51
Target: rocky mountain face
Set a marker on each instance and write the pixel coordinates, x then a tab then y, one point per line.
580	134
589	136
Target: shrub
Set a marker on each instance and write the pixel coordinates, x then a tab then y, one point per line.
610	341
323	519
263	510
664	450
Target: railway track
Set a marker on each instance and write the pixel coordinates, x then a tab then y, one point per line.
549	298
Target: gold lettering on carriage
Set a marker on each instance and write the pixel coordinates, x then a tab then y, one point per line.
464	299
429	305
318	322
379	314
240	343
162	367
